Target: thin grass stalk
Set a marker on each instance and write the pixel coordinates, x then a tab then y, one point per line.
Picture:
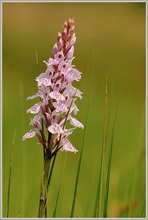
108	179
10	172
81	153
55	209
78	170
99	198
110	156
51	171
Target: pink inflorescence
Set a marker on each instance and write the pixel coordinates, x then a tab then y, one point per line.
57	95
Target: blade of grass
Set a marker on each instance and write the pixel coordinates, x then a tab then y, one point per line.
78	170
110	156
10	172
49	180
85	126
51	170
55	209
100	182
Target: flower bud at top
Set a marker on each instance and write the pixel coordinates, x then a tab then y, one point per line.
55	49
60	43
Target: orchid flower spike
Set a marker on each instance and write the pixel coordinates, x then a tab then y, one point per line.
57	96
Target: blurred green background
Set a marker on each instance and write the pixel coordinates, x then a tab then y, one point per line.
118	30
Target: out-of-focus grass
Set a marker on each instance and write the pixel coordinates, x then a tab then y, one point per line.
119	34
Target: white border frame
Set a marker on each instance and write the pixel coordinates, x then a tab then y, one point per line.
35	1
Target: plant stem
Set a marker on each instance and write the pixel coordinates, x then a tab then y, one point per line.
44	184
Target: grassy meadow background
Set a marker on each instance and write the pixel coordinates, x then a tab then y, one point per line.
118	30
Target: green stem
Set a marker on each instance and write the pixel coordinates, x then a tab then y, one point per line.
42	212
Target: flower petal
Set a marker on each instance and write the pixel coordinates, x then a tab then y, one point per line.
56	95
76	123
34	109
44	81
67	146
59	56
34	96
60	107
53	61
29	134
55	128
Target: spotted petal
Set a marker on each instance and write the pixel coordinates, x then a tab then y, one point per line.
34	109
55	128
29	134
56	95
76	123
67	146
